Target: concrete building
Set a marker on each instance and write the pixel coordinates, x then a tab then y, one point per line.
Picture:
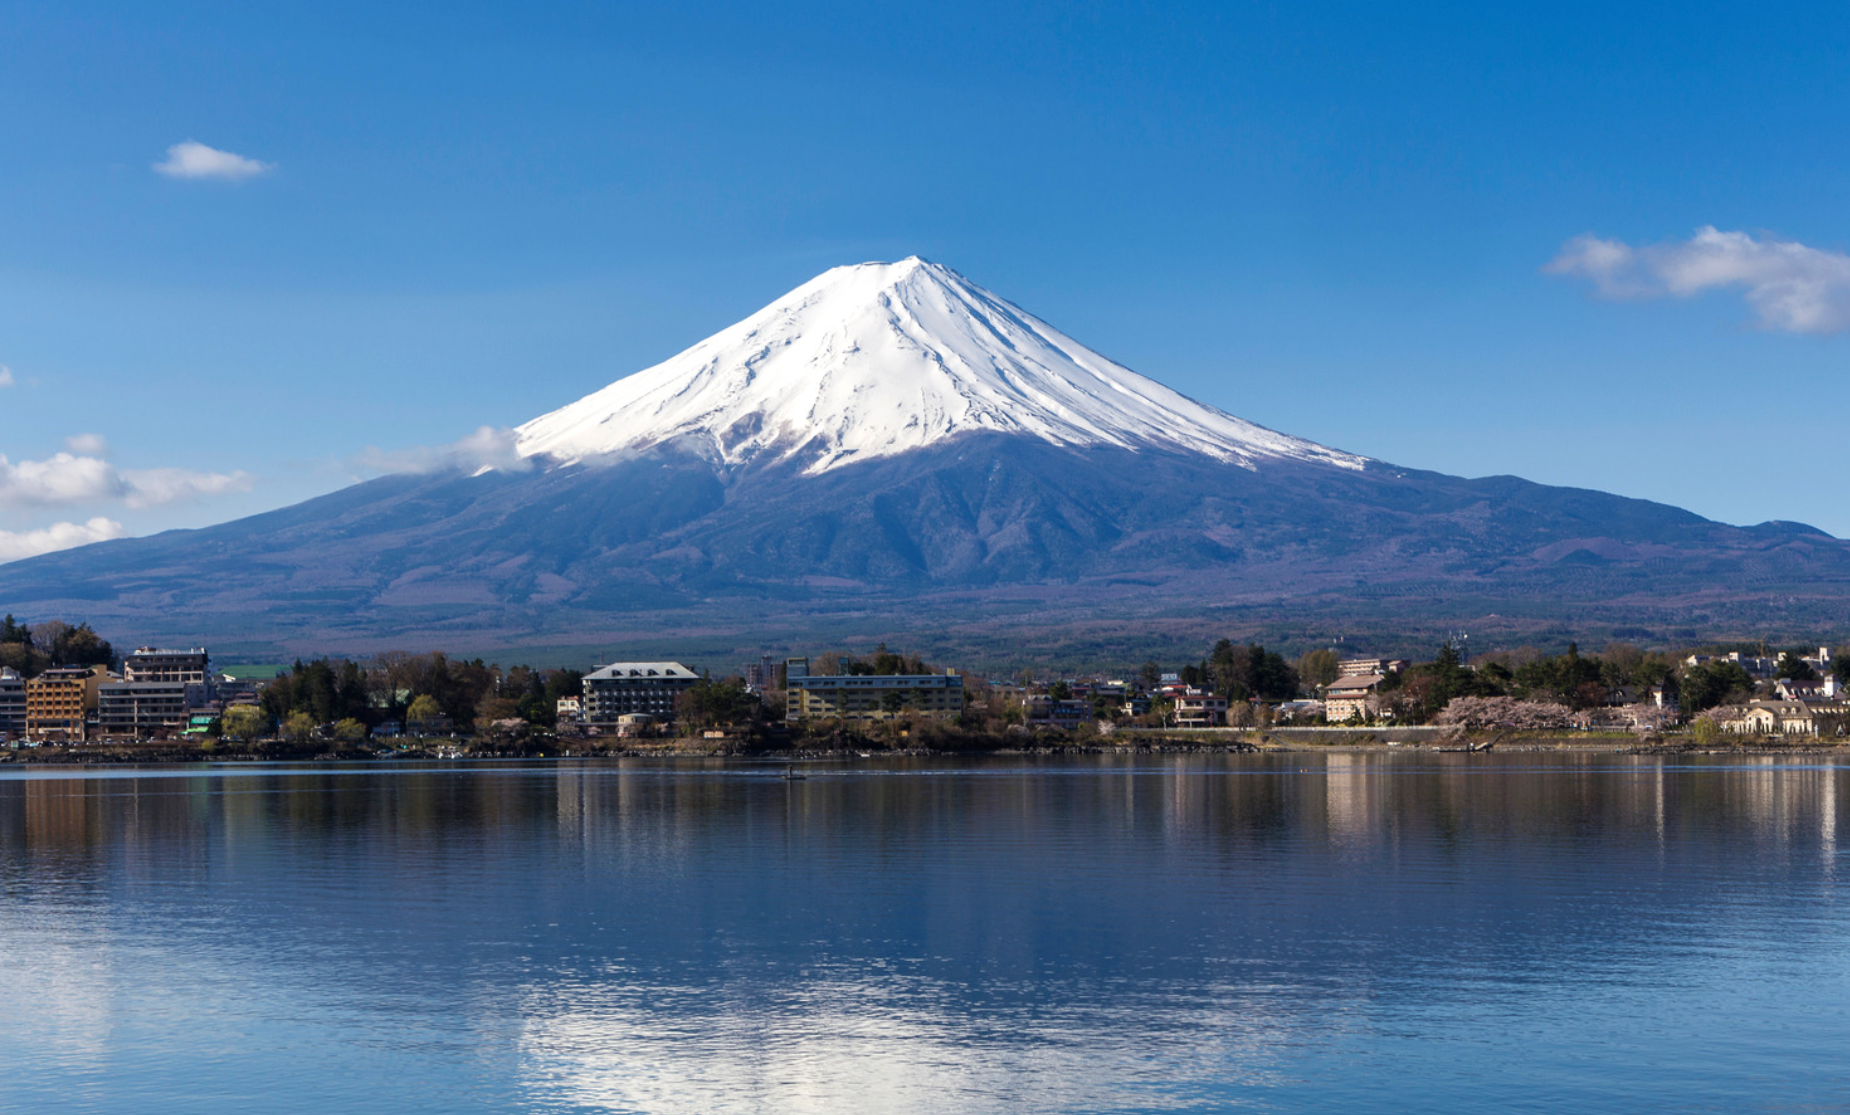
1352	698
242	685
869	697
12	703
1823	689
1198	709
159	693
1043	711
761	675
1757	666
1362	667
59	703
624	688
1784	718
152	665
1300	710
141	709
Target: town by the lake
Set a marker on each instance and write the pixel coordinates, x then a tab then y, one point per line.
66	689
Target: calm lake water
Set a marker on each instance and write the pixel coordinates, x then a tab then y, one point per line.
1286	933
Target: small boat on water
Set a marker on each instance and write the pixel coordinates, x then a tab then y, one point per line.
792	774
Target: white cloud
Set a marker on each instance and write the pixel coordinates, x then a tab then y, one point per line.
65	479
87	445
15	545
58	480
151	486
193	159
6	377
1791	287
488	448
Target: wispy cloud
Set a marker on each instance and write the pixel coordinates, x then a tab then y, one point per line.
70	479
489	447
16	545
6	377
87	445
149	487
193	159
1791	287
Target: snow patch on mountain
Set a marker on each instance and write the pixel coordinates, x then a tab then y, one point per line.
878	359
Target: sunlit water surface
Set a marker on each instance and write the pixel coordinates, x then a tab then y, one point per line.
1284	933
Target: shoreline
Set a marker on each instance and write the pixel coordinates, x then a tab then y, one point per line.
176	754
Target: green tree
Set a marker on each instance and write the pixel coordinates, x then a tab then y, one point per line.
710	703
64	645
1706	731
1569	678
1240	673
11	632
299	726
1318	668
350	731
22	657
540	706
1714	683
493	708
423	707
245	721
1795	668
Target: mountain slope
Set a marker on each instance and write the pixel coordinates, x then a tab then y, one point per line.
964	533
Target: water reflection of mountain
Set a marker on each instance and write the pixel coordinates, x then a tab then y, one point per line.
1016	935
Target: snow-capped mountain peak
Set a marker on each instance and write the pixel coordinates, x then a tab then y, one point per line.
877	359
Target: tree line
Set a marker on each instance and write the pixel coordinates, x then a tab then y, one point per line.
470	693
33	649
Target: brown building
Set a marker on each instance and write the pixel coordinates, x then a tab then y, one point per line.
869	697
1352	698
59	702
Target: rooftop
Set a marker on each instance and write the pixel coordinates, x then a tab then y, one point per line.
640	670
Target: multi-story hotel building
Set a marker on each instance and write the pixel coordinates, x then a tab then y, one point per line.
59	702
158	692
868	697
631	688
152	664
12	702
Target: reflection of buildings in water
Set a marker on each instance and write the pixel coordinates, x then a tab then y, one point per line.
1786	801
1349	800
1760	785
1827	813
65	814
1656	805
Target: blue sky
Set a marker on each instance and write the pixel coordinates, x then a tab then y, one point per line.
1331	219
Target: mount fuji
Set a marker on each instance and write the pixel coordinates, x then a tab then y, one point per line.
891	450
888	358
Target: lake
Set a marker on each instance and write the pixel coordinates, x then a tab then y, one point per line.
1326	932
